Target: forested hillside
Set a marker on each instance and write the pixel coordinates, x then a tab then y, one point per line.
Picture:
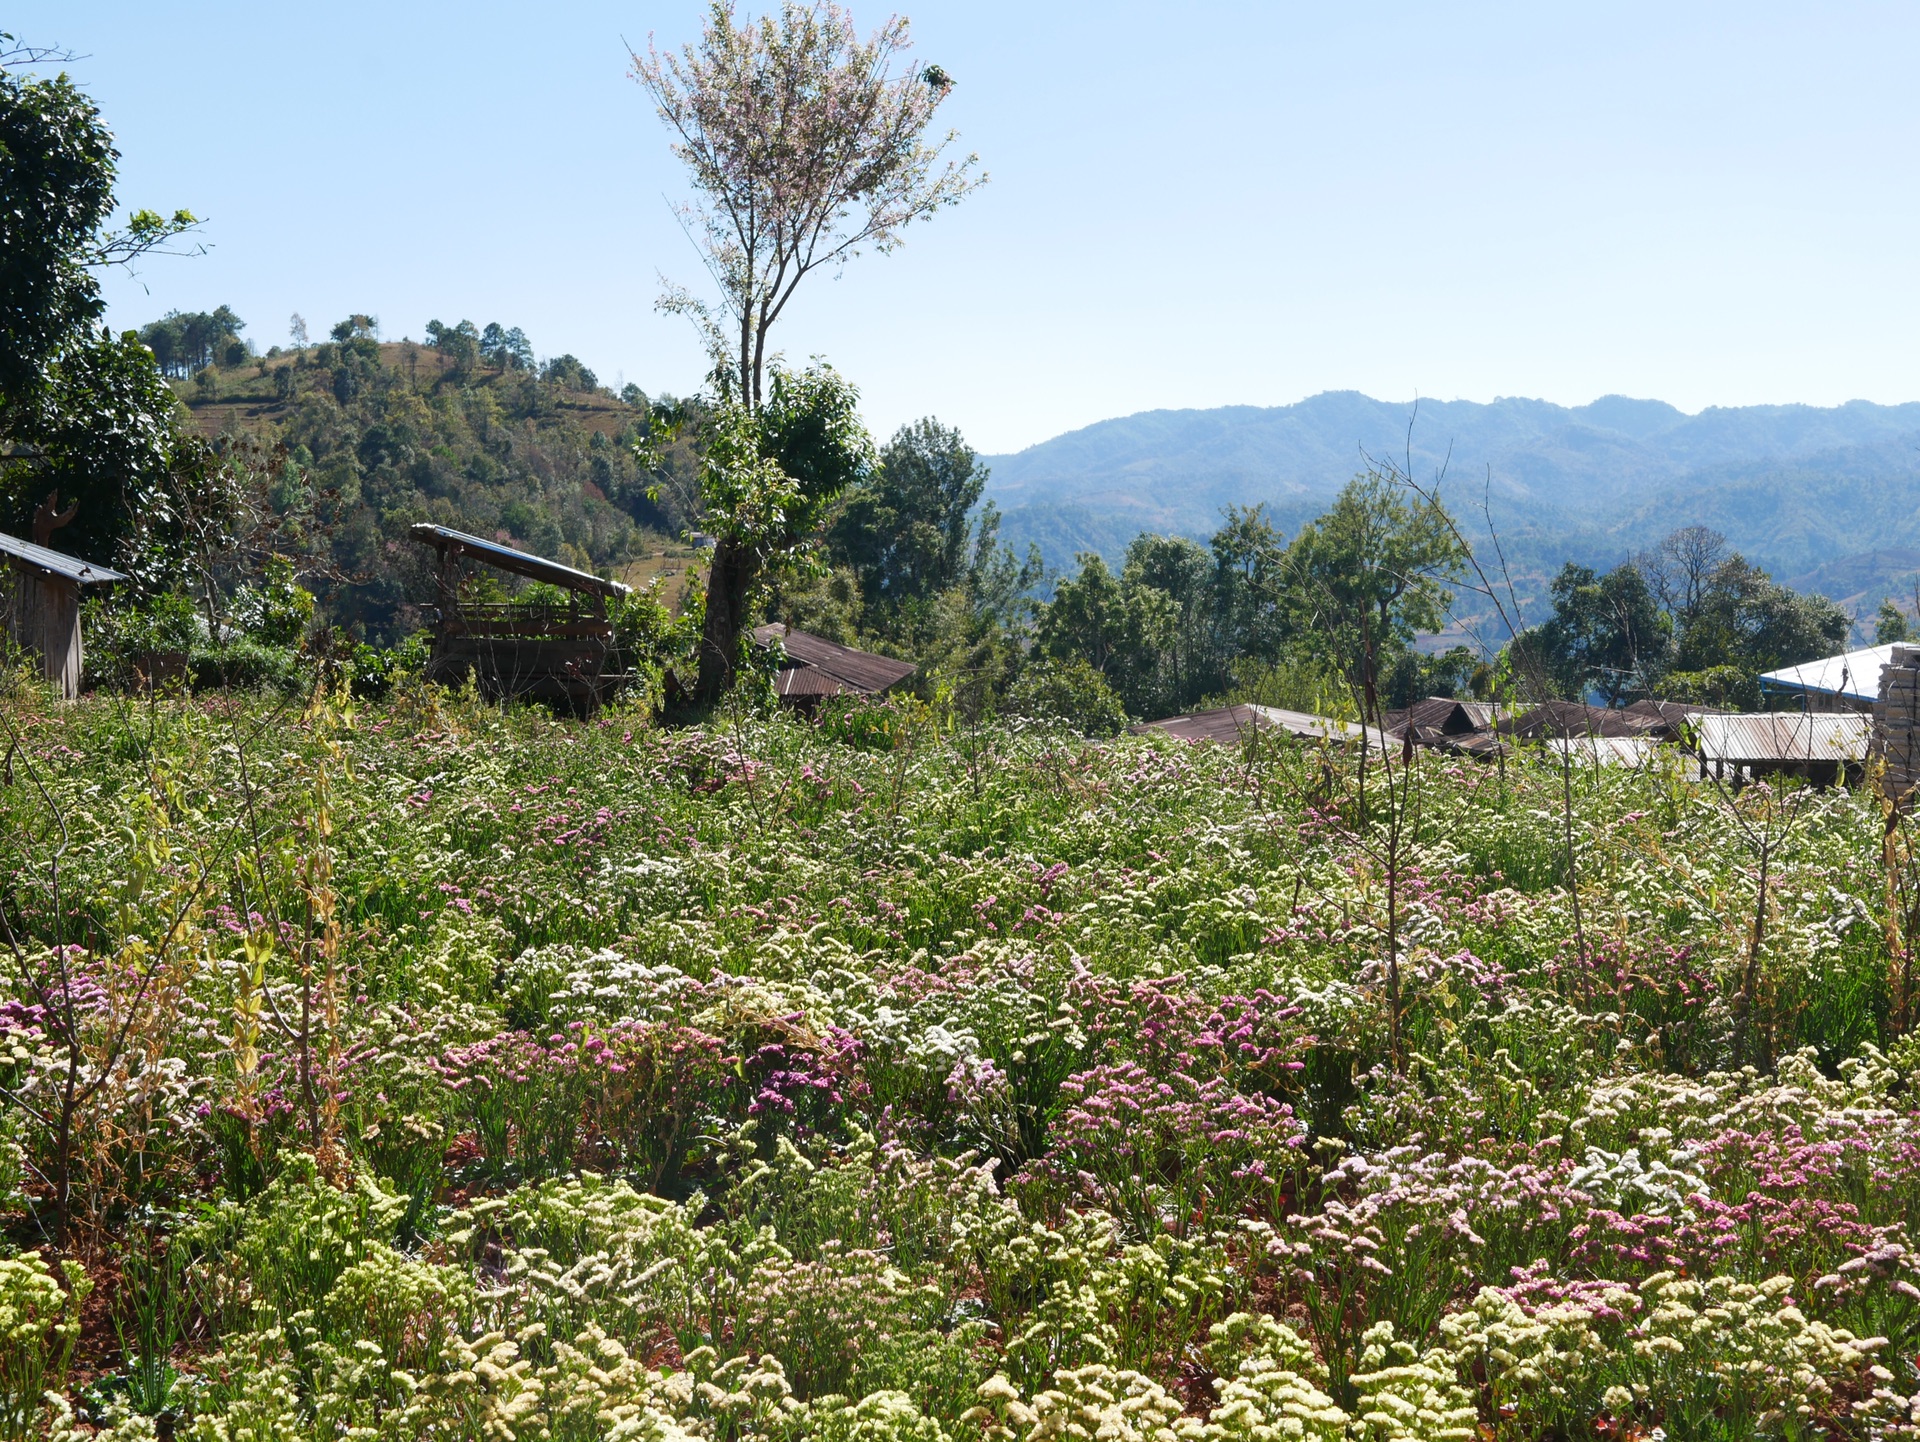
366	437
1800	489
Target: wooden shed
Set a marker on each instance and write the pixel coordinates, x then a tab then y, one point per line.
42	604
521	649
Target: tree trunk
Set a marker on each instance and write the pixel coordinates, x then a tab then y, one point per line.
728	582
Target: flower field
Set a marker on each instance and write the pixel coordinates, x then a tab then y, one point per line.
426	1071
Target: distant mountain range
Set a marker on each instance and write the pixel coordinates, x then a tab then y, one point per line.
1827	499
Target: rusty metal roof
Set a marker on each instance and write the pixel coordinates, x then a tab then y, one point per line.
1445	715
1229	725
505	558
806	681
1571	718
1308	727
57	563
853	670
1782	737
1665	719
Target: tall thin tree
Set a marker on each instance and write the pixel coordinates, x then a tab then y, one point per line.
805	144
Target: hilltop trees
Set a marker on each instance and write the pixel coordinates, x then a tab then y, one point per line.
804	144
183	342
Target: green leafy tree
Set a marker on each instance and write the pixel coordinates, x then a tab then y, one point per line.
1181	570
81	411
768	476
1251	616
1607	633
1891	624
1746	619
1121	629
1371	574
905	530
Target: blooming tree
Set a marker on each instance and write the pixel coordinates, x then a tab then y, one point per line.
805	144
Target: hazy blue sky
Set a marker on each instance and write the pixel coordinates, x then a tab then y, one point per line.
1191	205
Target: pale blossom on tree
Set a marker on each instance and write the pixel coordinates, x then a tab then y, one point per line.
805	144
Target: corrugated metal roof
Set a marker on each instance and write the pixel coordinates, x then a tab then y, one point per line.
1571	718
1446	715
57	563
1309	727
805	681
505	558
1230	725
855	670
1664	719
1782	737
1607	750
1854	674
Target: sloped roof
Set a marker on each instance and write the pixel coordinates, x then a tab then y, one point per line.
57	563
1446	715
1854	674
1230	725
1571	718
806	681
1308	727
505	558
1606	750
1783	737
860	671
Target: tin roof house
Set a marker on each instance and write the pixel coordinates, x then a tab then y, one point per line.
1847	682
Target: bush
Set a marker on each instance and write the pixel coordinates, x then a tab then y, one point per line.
1728	686
375	669
871	723
150	639
274	610
245	664
1070	691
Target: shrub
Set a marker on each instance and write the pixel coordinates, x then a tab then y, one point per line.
1068	691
